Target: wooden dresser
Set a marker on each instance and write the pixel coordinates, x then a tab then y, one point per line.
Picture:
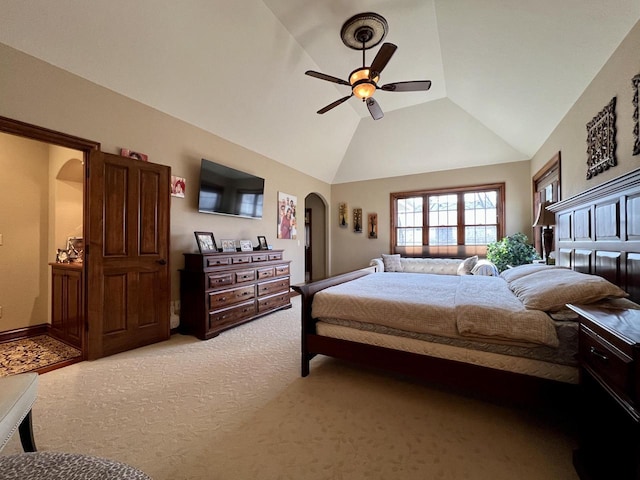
221	290
609	346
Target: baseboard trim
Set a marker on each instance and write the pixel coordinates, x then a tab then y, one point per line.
25	332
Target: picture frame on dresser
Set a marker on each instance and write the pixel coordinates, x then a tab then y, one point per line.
206	242
246	246
228	245
262	243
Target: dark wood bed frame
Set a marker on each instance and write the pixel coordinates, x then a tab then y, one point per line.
597	232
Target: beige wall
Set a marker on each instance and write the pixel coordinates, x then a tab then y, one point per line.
38	93
570	137
24	225
354	250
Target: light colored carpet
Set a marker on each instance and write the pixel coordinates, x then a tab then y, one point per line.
235	407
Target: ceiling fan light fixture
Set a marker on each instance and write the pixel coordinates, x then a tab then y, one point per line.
361	86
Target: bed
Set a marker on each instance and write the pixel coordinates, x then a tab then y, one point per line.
597	241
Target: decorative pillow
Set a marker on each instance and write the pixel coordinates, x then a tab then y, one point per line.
467	264
550	291
392	263
514	273
485	267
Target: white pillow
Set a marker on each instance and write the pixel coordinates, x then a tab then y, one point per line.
550	290
392	263
467	265
514	273
485	267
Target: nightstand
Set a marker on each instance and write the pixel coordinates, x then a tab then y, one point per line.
609	346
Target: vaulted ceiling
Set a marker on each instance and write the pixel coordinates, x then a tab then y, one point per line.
504	72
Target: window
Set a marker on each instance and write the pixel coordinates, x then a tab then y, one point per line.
455	221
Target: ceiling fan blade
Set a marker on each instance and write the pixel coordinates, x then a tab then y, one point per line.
374	109
415	86
328	78
382	58
334	104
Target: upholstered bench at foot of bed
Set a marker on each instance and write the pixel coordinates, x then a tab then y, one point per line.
17	396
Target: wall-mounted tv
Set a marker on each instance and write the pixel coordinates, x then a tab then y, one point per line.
227	191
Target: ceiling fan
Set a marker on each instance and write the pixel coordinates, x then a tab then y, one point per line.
362	32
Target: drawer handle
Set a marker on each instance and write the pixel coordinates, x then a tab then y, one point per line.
245	294
598	354
222	299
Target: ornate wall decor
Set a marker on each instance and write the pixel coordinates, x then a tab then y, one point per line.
601	140
373	225
357	220
343	213
636	129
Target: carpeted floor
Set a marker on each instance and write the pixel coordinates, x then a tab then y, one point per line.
235	407
32	354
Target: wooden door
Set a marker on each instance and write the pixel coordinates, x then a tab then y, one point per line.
126	253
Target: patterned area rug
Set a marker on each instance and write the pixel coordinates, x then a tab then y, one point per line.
28	354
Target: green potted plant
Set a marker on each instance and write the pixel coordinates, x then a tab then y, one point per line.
511	251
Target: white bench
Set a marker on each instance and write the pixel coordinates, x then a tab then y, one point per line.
17	396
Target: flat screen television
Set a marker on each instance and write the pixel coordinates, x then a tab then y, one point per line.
227	191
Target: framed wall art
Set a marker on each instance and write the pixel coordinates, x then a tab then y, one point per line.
357	220
206	242
636	128
178	185
125	152
343	212
372	228
287	223
601	140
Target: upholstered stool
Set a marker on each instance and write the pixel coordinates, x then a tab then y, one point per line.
65	466
17	395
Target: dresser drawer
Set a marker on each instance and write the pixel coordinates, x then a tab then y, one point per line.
227	317
229	297
266	272
217	261
241	259
273	301
260	257
275	286
245	276
606	361
275	255
282	270
219	280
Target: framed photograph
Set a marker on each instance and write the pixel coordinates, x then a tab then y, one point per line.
178	185
287	223
262	243
206	242
125	152
228	245
75	249
246	246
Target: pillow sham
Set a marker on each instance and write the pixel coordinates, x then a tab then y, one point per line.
392	262
550	291
467	265
514	273
485	267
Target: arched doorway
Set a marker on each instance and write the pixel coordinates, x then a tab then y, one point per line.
315	220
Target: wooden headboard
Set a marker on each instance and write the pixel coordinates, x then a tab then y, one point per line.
598	232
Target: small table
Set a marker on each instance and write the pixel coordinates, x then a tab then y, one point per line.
65	466
609	348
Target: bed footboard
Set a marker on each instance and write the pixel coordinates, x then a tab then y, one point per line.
307	291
